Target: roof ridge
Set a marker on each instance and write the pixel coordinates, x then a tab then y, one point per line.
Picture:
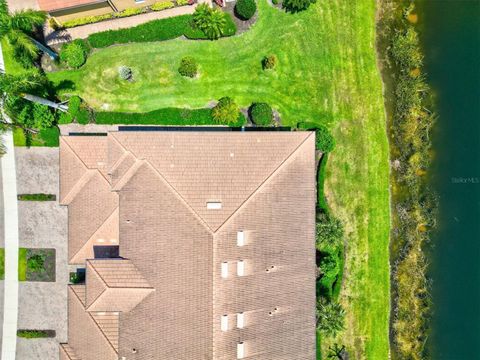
101	292
118	162
75	190
99	328
95	232
264	182
116	349
76	295
128	174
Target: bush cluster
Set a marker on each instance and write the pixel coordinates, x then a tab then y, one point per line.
269	62
211	21
74	54
324	141
226	111
245	9
297	5
162	5
188	67
77	110
261	114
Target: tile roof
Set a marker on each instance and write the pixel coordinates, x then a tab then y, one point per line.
168	289
50	5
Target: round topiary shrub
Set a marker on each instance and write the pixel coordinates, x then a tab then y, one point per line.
324	141
125	72
188	67
269	62
245	9
73	54
261	114
226	111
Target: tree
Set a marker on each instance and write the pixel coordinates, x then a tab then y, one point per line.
330	317
297	5
226	111
18	26
337	352
210	21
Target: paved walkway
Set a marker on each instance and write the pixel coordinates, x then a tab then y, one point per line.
9	183
10	315
82	32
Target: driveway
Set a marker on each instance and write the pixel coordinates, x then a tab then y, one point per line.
42	224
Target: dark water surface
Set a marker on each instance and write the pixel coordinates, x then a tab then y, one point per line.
451	39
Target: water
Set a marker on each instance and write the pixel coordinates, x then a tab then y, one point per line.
451	39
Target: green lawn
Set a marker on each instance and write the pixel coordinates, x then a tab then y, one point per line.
2	263
327	74
22	264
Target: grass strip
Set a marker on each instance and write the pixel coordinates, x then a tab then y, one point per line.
22	264
36	197
2	263
35	334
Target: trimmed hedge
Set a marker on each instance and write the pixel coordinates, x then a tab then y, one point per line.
162	5
165	116
36	197
157	30
245	9
35	334
261	114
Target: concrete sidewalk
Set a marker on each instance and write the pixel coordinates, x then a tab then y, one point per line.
82	32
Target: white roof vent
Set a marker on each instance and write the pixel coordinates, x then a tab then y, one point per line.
240	320
240	350
240	238
224	323
224	269
241	268
214	205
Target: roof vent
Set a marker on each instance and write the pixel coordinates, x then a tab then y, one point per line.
224	269
214	205
240	268
240	238
240	320
224	323
240	350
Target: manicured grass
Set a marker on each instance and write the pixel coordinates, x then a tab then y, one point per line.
2	263
47	137
12	67
36	197
326	74
22	264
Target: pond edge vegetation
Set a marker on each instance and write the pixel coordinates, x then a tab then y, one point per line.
413	204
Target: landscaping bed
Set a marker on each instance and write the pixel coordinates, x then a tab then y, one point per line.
37	265
36	334
36	197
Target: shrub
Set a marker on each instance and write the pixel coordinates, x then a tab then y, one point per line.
324	141
297	5
36	197
86	20
53	23
162	5
269	62
184	2
125	72
330	317
34	334
42	116
226	111
275	2
128	12
405	49
261	114
329	232
188	67
73	54
36	262
245	9
211	21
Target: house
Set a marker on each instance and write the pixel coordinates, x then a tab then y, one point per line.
215	239
64	10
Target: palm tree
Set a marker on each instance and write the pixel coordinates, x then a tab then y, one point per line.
330	317
12	86
17	26
210	21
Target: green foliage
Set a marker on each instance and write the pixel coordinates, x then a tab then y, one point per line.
36	262
261	114
125	72
297	5
86	20
165	116
128	12
188	67
2	263
33	334
405	49
183	2
330	317
33	115
322	171
226	111
269	62
275	2
36	197
74	54
245	9
324	141
77	110
162	5
157	30
211	21
329	232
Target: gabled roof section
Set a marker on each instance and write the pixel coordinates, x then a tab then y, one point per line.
223	168
108	322
67	353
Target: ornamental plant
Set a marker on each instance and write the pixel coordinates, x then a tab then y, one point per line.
226	111
245	9
324	141
74	54
188	67
261	114
210	21
269	62
297	5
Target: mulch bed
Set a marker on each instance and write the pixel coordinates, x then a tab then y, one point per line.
47	274
242	26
